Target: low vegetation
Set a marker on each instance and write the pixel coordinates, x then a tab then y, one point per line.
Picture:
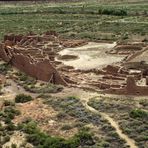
138	113
22	98
31	85
73	107
90	21
7	127
4	68
34	135
132	121
39	139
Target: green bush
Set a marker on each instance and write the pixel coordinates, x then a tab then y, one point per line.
10	127
8	103
13	145
11	110
29	127
112	11
66	127
6	139
4	68
84	137
9	113
61	115
138	113
7	120
22	98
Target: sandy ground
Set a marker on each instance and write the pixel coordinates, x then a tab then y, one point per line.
92	55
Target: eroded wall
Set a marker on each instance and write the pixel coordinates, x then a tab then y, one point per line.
32	63
131	88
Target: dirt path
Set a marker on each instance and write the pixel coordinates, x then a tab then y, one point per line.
13	89
114	124
127	22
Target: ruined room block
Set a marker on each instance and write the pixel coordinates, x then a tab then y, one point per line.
131	84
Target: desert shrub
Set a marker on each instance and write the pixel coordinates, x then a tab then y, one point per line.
72	97
1	127
84	137
1	114
29	128
112	11
10	127
79	125
138	113
48	88
4	68
127	130
23	77
144	103
102	143
8	103
6	139
44	96
12	110
13	145
61	115
9	113
66	127
22	98
7	120
28	84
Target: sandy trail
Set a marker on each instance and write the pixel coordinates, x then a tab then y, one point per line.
114	124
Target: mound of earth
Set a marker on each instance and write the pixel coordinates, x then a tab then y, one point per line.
68	57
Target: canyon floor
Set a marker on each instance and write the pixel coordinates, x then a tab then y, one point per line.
92	46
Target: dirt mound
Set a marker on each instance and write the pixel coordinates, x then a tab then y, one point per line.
68	57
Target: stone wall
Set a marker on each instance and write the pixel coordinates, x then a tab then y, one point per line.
29	60
130	89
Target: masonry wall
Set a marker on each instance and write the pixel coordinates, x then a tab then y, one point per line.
130	89
42	70
3	53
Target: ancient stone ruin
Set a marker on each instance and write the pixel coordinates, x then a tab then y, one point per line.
37	56
34	54
135	75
